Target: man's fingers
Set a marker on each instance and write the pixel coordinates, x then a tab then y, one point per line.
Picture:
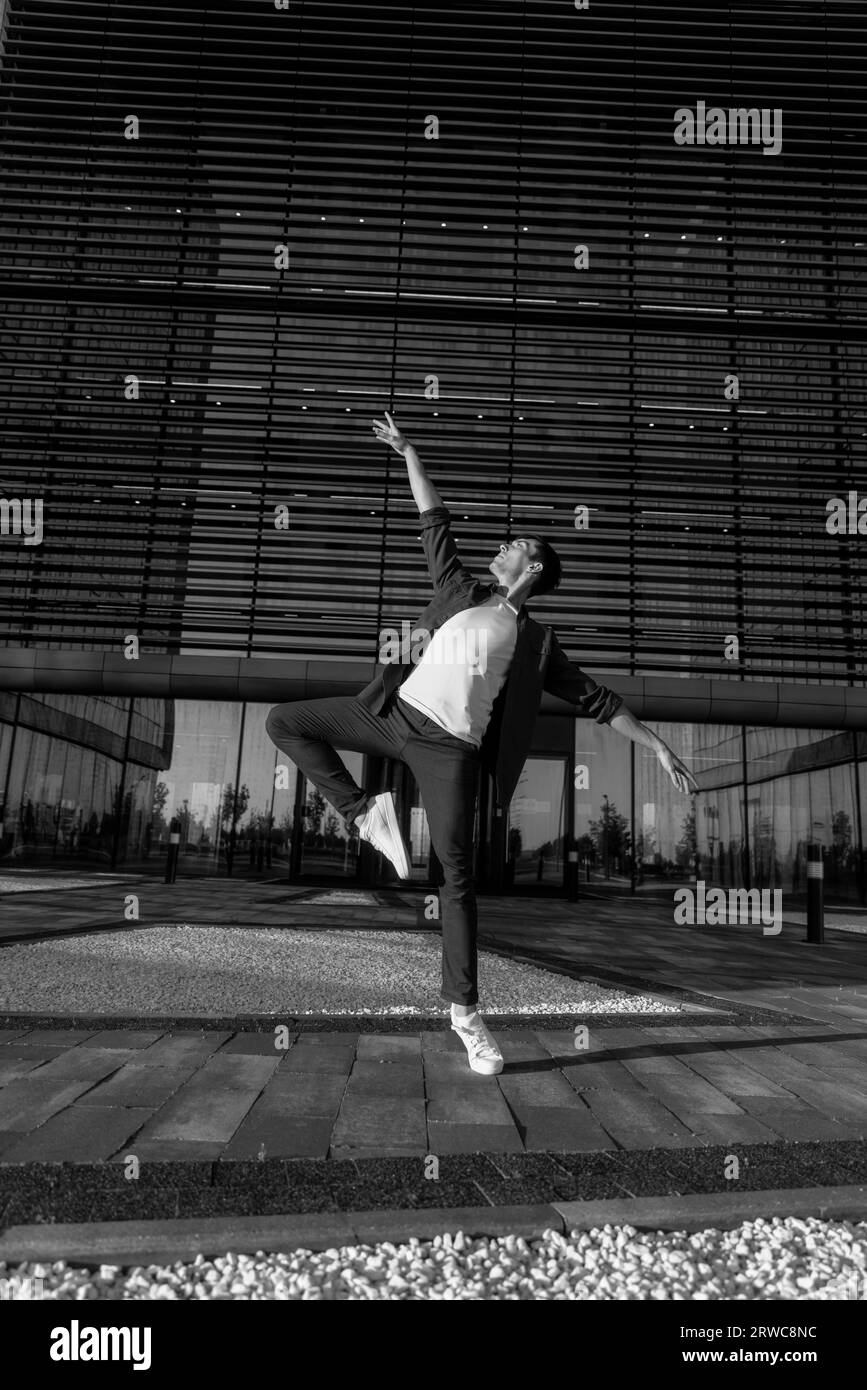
391	424
378	424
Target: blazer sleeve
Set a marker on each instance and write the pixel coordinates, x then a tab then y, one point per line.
566	679
441	553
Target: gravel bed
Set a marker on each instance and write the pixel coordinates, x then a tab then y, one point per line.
779	1259
39	884
215	971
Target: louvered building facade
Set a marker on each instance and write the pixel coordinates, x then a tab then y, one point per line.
607	267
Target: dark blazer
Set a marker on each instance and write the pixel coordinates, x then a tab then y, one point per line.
539	662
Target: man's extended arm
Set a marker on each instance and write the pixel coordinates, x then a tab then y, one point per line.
423	490
566	679
624	722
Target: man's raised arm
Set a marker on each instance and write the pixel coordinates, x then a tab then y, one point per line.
423	490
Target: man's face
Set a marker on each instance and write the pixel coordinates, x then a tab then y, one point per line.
512	559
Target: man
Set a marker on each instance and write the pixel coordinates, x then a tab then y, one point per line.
470	701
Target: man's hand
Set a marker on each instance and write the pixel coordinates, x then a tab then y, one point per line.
390	434
677	771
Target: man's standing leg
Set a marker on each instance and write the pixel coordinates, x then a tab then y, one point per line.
447	775
447	778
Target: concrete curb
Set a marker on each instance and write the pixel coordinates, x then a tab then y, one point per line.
127	1243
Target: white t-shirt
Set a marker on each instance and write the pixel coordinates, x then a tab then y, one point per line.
463	669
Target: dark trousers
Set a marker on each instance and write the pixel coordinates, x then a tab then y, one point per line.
446	770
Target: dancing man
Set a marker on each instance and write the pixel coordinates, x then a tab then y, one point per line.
469	701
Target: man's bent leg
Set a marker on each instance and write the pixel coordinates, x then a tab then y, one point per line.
448	780
308	731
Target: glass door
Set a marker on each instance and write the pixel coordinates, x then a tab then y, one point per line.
536	827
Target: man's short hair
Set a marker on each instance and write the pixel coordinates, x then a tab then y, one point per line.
551	572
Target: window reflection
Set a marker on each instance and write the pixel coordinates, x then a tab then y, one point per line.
208	766
536	826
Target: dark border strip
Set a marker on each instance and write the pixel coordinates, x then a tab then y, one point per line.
130	1244
374	1023
60	1192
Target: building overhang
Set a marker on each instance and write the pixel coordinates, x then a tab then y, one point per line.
265	680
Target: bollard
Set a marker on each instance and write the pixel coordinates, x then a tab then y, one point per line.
815	894
173	853
572	872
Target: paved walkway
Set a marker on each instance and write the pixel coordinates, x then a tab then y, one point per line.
78	1097
92	1094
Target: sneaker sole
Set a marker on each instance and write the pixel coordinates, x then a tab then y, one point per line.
401	862
487	1068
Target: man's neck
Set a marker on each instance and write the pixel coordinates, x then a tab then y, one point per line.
518	596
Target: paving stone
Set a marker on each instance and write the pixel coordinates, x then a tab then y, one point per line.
548	1088
391	1045
369	1122
447	1065
801	1122
239	1070
307	1095
466	1086
138	1085
175	1049
730	1129
451	1137
23	1051
834	1098
257	1044
338	1060
383	1149
16	1066
59	1037
631	1039
639	1121
681	1089
733	1078
208	1108
29	1102
280	1137
124	1038
560	1043
169	1151
433	1040
385	1079
598	1073
522	1050
485	1107
834	1060
78	1136
91	1064
327	1040
551	1128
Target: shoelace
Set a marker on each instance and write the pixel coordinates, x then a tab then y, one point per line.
480	1043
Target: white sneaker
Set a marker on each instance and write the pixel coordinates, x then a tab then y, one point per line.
379	827
485	1056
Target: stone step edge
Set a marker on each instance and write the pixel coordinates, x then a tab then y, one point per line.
132	1243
